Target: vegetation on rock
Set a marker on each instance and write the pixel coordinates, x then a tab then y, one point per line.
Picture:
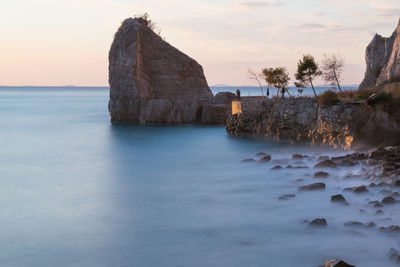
328	98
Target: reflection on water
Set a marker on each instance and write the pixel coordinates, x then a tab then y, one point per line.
77	191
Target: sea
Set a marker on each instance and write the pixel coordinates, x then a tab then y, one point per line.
76	190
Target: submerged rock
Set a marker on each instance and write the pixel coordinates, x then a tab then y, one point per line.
388	200
319	222
248	160
266	158
325	164
394	255
299	156
390	229
311	187
360	189
287	196
277	167
261	154
354	223
337	263
321	175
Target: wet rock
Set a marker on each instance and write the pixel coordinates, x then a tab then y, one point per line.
277	167
360	189
347	189
299	156
395	194
379	212
394	255
390	229
372	185
378	205
388	200
311	187
354	223
287	196
338	198
370	225
337	263
319	222
322	158
289	167
325	164
261	154
266	158
321	175
248	160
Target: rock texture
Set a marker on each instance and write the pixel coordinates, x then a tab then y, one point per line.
302	120
151	81
383	63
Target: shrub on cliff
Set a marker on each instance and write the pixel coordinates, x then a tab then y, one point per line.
328	98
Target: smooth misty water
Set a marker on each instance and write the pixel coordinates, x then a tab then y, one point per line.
78	191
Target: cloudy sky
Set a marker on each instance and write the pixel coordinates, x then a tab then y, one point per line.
66	42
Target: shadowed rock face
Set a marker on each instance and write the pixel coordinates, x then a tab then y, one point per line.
383	61
302	120
151	81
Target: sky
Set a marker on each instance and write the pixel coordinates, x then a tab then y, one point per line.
66	42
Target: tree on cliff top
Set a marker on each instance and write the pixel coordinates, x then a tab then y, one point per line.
255	76
269	77
149	23
332	66
307	71
280	79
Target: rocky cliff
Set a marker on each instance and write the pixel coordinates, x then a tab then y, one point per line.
151	81
383	62
302	120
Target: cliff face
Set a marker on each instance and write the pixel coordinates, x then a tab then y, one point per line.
151	81
302	120
383	61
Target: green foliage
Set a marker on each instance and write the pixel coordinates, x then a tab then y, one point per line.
328	98
278	77
307	71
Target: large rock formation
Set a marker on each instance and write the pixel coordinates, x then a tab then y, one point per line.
151	81
302	120
383	63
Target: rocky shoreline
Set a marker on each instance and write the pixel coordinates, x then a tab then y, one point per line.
377	177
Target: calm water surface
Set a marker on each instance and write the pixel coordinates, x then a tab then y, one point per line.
78	191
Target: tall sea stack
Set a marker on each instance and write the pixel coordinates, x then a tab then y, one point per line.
151	81
383	64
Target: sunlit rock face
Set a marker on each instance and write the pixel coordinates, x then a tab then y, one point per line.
383	63
151	81
343	125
